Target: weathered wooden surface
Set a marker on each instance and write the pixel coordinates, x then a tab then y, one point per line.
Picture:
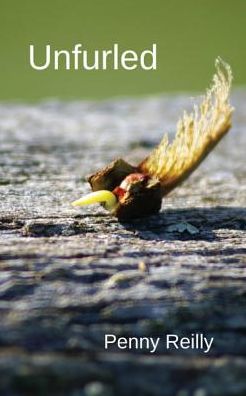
69	276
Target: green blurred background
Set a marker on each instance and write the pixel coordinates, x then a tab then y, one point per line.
189	34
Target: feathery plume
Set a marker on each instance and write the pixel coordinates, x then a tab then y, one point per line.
197	134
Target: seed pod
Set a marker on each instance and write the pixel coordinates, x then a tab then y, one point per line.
138	191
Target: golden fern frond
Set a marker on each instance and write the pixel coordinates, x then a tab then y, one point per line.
197	134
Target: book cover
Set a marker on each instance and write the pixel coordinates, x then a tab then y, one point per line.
122	198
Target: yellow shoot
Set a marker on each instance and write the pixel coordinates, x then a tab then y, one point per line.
102	196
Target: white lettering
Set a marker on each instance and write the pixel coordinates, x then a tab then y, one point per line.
76	53
172	339
56	59
109	339
47	59
208	344
153	65
129	56
84	59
